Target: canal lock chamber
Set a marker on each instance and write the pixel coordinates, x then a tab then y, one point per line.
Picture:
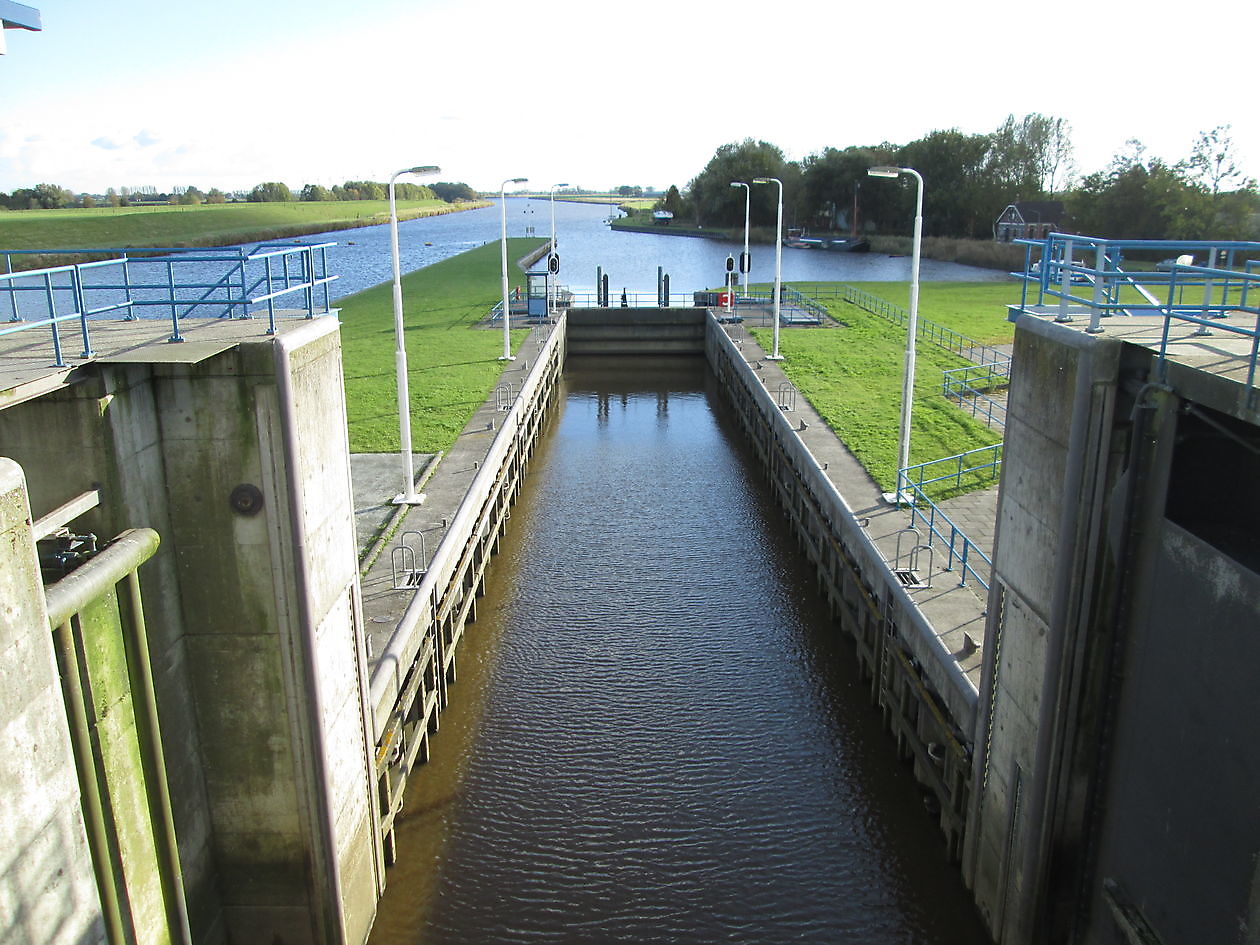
643	645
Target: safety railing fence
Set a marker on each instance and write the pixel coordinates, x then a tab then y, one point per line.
1078	274
990	412
179	284
975	351
791	298
976	378
592	300
974	467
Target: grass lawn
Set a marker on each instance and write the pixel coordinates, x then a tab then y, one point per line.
852	375
451	366
202	225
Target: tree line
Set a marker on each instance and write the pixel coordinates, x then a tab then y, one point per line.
55	197
969	179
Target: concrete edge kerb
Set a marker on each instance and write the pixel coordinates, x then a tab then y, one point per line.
404	642
942	667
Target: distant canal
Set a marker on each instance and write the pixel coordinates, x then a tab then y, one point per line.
656	736
361	258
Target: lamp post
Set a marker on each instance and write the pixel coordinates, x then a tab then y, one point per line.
507	317
408	496
778	261
745	259
551	276
912	325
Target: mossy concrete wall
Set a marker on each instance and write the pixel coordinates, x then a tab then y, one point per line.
47	888
253	613
104	430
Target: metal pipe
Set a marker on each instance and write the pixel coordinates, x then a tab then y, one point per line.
89	788
153	763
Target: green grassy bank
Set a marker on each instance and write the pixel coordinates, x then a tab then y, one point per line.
451	366
852	375
201	225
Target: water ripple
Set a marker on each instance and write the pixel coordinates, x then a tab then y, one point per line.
674	748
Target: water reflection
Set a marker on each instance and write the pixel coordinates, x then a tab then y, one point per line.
362	256
663	740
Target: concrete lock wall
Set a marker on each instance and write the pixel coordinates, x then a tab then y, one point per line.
104	430
1054	475
1115	765
47	887
925	698
253	610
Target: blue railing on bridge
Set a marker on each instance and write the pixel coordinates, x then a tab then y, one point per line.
178	284
1084	275
970	468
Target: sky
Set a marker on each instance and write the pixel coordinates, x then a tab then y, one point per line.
229	94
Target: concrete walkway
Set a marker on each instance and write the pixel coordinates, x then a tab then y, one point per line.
444	479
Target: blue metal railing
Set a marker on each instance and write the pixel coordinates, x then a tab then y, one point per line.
1225	284
912	481
179	284
975	351
969	385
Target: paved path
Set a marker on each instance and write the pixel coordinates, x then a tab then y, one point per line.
444	480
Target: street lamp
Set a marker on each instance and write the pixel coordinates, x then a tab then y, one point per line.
551	276
778	261
907	382
507	340
745	259
408	496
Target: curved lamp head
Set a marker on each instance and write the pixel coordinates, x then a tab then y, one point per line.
738	183
558	186
424	169
515	180
883	171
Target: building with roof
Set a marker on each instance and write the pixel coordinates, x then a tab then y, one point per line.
1029	220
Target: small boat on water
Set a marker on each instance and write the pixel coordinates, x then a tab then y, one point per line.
799	239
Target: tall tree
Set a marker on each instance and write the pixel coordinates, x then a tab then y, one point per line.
716	203
1214	162
956	198
271	192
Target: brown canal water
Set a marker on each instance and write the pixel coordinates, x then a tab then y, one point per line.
657	736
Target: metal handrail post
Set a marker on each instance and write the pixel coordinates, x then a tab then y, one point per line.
8	270
76	287
170	288
126	272
51	298
308	264
323	269
1100	283
271	300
